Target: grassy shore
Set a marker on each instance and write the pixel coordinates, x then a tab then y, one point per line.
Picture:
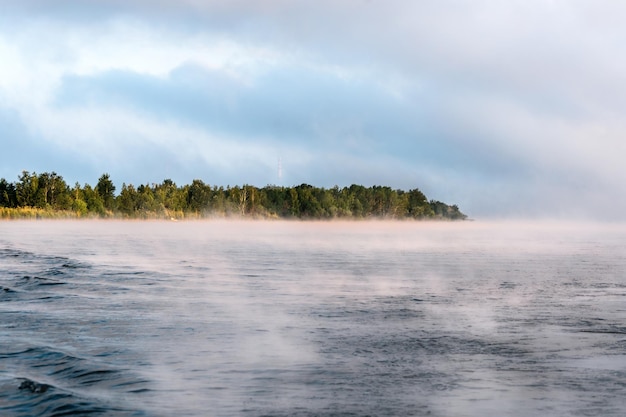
31	213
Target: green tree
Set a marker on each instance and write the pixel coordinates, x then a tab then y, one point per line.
294	202
127	201
198	196
52	192
93	200
26	189
78	201
8	197
145	200
418	206
106	191
277	200
168	196
218	200
442	210
360	201
309	205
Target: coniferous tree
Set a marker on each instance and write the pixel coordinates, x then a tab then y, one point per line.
26	189
8	197
106	191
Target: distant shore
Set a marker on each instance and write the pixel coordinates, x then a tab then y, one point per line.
33	213
48	196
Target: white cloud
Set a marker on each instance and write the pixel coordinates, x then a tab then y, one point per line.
524	93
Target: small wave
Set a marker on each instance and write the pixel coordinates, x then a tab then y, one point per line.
74	371
59	262
22	397
39	281
32	276
55	383
11	253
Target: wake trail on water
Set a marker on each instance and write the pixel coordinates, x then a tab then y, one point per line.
42	372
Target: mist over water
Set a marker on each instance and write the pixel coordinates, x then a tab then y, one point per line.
312	319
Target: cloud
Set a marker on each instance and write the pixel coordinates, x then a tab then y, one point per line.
503	108
332	119
22	150
287	105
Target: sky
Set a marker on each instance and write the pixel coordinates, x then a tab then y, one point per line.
508	109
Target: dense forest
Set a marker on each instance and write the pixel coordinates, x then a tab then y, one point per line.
47	195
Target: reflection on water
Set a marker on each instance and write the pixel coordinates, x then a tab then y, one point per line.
312	319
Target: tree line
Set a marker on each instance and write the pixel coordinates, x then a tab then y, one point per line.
49	193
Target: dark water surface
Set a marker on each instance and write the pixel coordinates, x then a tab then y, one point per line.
312	319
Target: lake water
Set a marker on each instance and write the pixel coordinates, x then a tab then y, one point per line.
216	318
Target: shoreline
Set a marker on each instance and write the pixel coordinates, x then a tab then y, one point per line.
30	213
34	217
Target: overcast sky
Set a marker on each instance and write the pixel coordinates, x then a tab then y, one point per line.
506	108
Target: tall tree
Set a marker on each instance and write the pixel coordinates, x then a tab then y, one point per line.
79	205
26	189
198	196
106	191
53	192
7	194
127	201
93	200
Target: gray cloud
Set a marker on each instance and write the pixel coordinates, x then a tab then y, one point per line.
25	150
505	108
310	108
